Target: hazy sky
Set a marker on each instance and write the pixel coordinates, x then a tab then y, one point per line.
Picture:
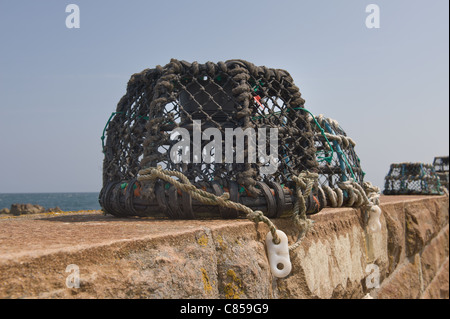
387	87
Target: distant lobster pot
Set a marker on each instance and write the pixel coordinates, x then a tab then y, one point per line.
441	166
412	179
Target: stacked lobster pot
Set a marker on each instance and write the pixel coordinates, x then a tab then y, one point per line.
188	140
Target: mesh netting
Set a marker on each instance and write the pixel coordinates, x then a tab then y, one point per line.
337	159
412	179
441	167
227	96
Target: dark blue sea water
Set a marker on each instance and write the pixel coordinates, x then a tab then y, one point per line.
65	201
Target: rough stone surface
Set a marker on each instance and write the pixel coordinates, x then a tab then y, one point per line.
405	282
395	226
20	209
434	255
438	288
148	258
334	244
422	224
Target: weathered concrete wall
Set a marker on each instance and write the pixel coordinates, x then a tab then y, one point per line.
145	258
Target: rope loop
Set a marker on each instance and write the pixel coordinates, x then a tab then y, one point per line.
152	173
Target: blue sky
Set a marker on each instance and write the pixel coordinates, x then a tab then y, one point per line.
387	87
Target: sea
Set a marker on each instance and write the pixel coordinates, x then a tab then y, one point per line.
65	201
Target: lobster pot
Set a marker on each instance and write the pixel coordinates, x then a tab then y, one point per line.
228	127
412	179
441	167
337	160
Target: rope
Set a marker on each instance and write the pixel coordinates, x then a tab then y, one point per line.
345	141
151	174
366	197
369	199
305	181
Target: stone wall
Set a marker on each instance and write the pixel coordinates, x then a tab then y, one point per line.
418	250
145	258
